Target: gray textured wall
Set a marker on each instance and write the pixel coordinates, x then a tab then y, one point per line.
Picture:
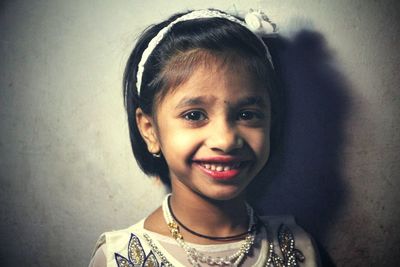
66	170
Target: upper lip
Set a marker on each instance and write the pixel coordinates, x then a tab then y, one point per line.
220	159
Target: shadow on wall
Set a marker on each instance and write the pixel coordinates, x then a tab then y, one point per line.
303	176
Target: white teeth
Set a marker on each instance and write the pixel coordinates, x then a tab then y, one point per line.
227	168
221	167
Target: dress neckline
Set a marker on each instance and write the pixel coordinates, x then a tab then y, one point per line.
158	239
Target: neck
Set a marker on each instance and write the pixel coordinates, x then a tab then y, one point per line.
209	217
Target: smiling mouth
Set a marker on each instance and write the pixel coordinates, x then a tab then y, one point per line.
220	167
221	170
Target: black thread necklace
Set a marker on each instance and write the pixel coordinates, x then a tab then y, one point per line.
232	237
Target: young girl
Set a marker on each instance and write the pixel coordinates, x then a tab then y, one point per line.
199	92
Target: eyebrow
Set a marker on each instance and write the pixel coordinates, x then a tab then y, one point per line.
252	100
203	100
193	101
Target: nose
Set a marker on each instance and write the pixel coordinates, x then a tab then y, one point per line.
224	137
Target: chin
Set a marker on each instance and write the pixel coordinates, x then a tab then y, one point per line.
224	194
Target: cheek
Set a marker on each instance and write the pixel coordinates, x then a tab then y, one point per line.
178	142
259	141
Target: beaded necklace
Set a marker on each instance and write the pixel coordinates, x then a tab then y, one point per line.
195	257
291	255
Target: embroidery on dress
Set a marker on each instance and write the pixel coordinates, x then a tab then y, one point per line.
287	245
136	256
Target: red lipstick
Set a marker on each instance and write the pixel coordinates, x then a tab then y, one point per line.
220	167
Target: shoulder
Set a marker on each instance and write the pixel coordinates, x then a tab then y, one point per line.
119	236
112	244
285	231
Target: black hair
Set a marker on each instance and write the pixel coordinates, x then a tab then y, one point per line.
218	37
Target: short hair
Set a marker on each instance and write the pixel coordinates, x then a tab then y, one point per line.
184	46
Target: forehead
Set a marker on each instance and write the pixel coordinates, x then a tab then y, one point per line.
201	64
218	84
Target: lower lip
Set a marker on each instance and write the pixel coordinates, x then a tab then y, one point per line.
219	175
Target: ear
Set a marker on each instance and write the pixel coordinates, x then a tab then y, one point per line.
147	129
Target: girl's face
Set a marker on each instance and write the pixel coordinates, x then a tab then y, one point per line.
213	131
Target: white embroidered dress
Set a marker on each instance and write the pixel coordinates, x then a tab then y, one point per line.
131	247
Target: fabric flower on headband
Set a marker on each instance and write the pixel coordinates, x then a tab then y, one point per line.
258	22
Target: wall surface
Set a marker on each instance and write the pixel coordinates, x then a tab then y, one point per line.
66	169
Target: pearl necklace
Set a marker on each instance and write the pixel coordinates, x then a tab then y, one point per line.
194	256
268	260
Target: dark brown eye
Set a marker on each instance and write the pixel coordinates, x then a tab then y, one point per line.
246	115
194	116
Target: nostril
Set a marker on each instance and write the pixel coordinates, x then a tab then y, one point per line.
226	144
224	137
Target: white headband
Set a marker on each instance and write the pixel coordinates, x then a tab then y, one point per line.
255	20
